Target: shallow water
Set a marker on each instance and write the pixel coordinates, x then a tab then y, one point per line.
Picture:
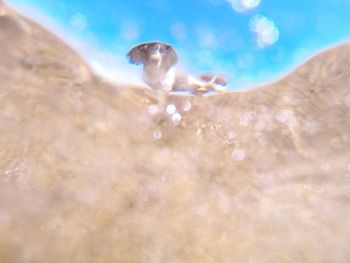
92	172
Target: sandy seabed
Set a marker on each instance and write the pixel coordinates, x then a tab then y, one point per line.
91	172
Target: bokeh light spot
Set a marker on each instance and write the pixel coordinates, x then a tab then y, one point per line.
178	31
176	118
187	106
170	109
265	29
243	5
157	135
130	30
153	109
238	155
79	21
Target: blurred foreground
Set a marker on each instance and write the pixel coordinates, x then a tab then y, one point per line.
96	173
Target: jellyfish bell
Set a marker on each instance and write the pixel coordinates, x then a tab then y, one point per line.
149	52
158	59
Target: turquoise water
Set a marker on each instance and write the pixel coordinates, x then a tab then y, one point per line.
252	41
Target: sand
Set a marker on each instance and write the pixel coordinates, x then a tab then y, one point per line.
95	172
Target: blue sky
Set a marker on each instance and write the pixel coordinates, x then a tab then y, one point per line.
252	41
